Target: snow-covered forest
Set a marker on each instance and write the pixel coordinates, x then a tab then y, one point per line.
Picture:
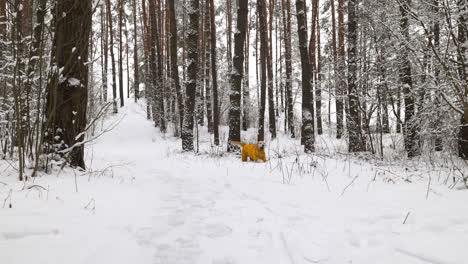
233	131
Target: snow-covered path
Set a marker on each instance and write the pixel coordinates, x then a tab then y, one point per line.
165	207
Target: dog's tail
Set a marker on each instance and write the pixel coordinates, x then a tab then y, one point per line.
240	144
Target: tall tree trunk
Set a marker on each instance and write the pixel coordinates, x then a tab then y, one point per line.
208	97
307	95
356	143
202	70
229	34
136	77
67	100
161	91
436	31
147	46
462	38
313	54
341	81
121	91
335	56
267	41
263	67
105	51
236	74
246	90
318	86
156	71
214	74
410	127
174	63
114	82
286	10
191	86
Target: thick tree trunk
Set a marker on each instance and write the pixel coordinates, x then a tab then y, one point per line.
318	85
208	99
105	51
462	38
136	77
313	55
356	143
114	82
267	42
121	90
246	89
67	97
156	71
214	74
341	75
263	68
236	75
191	85
174	63
286	10
307	95
410	126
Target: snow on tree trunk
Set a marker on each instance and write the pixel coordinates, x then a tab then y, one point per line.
308	137
355	137
236	75
174	66
410	132
68	86
191	84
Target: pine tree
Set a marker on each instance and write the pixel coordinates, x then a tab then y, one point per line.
67	97
114	82
410	128
356	143
191	84
236	74
308	136
174	63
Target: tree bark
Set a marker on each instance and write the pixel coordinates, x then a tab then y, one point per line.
114	82
68	90
356	143
263	68
191	84
136	67
174	63
214	74
341	75
266	44
121	90
410	127
236	75
286	12
307	95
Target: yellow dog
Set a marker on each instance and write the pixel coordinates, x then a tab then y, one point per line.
255	152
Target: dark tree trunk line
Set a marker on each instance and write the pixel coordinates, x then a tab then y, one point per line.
286	12
191	84
174	62
263	67
410	127
67	100
355	136
111	44
341	81
308	137
236	75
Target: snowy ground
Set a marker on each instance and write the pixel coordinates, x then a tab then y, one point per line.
146	202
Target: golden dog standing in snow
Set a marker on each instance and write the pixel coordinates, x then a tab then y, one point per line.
255	152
